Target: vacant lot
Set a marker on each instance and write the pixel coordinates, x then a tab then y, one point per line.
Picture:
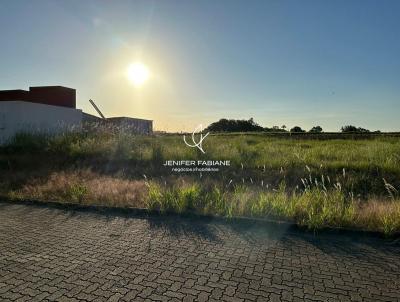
314	182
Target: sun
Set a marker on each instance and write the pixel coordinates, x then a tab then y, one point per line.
138	73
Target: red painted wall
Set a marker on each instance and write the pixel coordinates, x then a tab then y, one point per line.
50	95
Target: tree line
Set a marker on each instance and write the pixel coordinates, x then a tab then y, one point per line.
232	125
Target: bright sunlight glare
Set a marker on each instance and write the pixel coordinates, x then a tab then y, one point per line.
138	73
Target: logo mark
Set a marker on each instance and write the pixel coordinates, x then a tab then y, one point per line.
198	144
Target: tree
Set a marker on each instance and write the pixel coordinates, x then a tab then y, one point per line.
363	130
283	127
297	129
225	125
316	129
351	128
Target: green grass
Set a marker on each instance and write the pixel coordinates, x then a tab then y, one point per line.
314	207
313	182
365	161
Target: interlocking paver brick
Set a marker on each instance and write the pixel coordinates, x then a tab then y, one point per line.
49	254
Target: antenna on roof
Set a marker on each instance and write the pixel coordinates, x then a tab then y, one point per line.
97	109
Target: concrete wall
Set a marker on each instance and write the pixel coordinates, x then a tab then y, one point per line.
20	116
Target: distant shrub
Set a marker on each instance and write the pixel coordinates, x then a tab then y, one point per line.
297	129
316	129
351	128
275	129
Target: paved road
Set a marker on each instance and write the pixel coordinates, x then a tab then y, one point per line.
57	255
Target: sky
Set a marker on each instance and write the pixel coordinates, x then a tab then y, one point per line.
305	63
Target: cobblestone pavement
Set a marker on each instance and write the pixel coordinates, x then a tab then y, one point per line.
49	254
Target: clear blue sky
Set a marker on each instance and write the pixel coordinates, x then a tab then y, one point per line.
305	63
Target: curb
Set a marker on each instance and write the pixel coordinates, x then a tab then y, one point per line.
146	213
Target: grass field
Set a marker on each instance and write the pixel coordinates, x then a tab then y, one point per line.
314	182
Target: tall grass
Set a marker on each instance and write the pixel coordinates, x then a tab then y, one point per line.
83	187
316	183
261	158
312	206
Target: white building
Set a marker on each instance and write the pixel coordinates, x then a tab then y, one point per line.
52	109
21	116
